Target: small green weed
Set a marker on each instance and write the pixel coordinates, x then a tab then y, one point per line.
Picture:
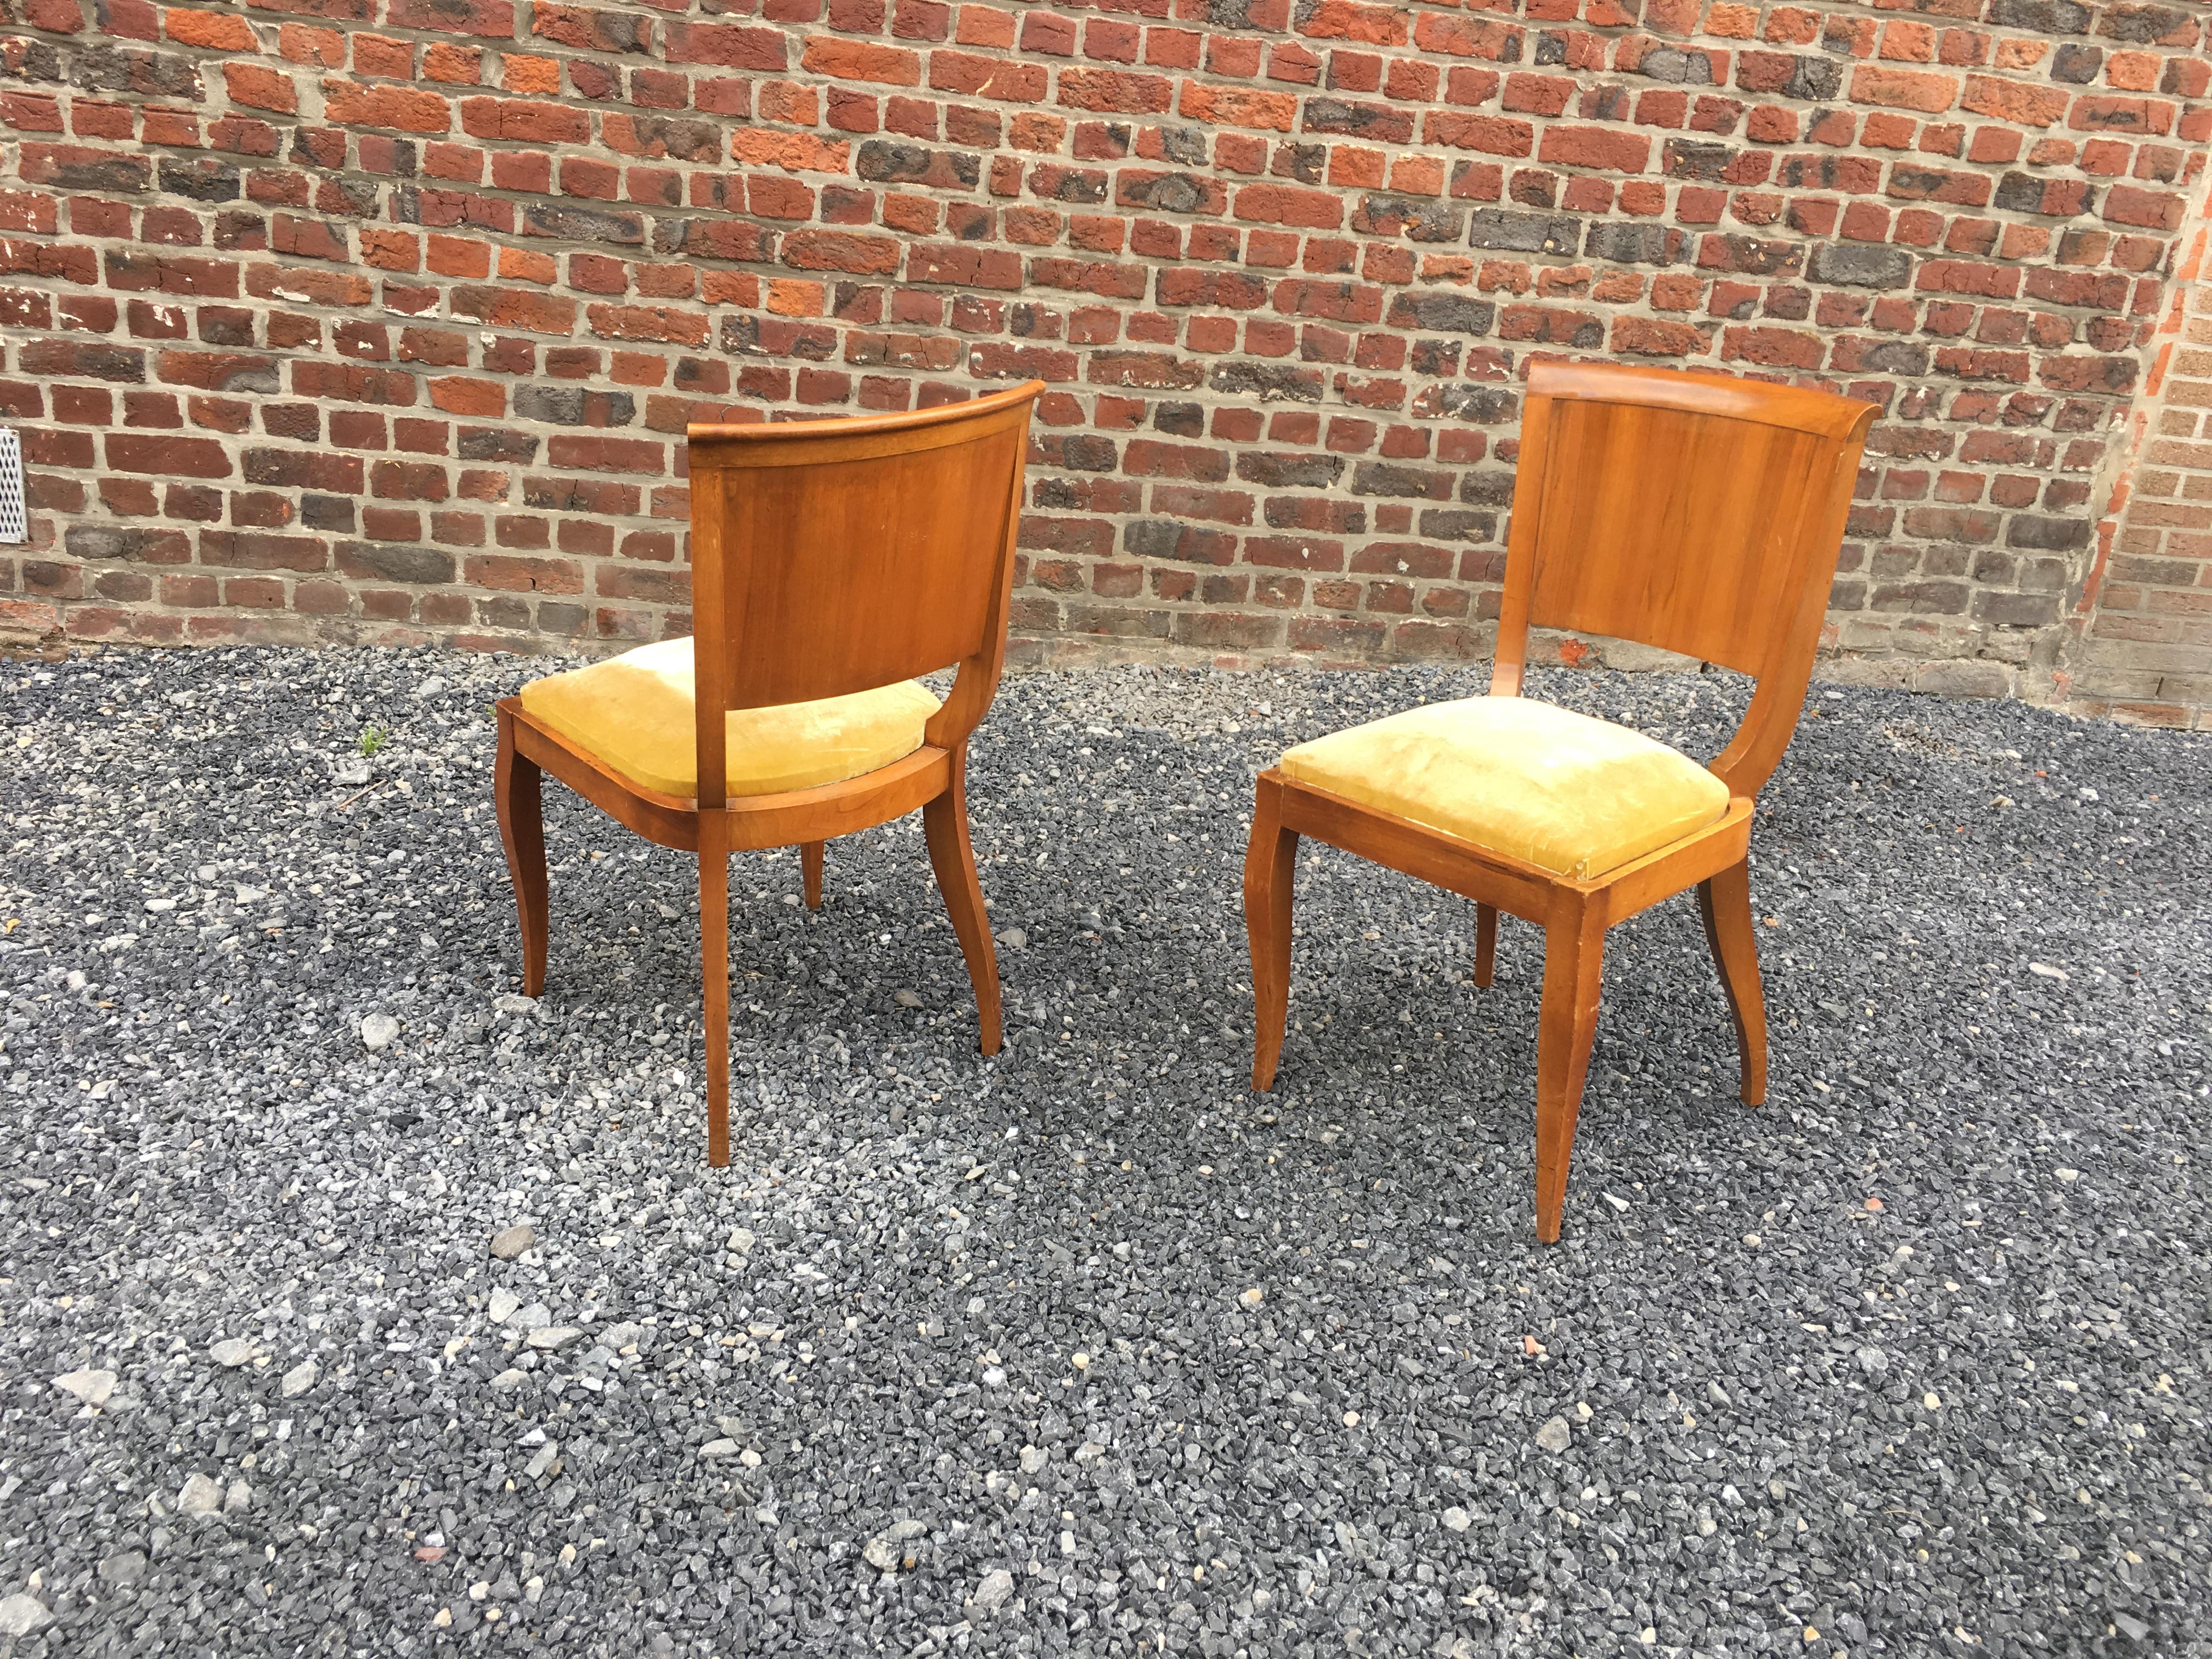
372	740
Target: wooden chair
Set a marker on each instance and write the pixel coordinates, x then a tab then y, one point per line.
1695	513
832	562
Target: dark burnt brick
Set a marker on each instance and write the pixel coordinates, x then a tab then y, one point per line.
568	406
1441	312
1416	221
1455	524
326	512
1377	123
2047	535
1080	452
1858	266
1815	79
1267	381
117	544
578	224
1677	67
2141	25
483	443
424	567
1634	244
1687	158
1169	538
2077	66
1383	478
199	179
2002	610
2048	17
1275	471
1459	400
1524	232
884	163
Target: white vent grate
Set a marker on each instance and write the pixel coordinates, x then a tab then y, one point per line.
12	528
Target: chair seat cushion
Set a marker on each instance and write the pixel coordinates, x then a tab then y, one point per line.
1559	790
632	713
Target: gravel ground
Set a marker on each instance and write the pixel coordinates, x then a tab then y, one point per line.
1084	1349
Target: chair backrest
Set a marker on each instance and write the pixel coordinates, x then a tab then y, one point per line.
1695	513
834	556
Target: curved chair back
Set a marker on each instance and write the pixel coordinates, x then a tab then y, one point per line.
1695	513
834	556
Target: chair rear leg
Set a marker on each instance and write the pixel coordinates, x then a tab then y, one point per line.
944	826
810	873
1270	869
1485	943
1724	901
1574	960
715	973
515	790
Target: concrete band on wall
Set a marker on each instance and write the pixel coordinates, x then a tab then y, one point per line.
381	319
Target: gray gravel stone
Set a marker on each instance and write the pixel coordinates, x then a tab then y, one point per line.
378	1031
200	1496
1554	1436
125	1570
888	1334
91	1387
300	1378
992	1592
23	1615
232	1351
506	1245
889	1549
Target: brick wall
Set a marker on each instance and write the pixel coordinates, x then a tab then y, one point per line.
2140	644
380	319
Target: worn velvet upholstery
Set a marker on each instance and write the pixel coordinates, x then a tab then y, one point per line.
634	713
1553	788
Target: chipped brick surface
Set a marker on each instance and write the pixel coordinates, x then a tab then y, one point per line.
381	322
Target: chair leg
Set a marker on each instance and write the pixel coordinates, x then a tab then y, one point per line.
1270	866
810	873
944	826
715	973
1574	957
522	831
1725	903
1485	943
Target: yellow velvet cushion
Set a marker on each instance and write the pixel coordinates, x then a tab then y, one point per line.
1553	789
634	713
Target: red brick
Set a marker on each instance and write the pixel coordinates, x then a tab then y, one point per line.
351	104
1902	88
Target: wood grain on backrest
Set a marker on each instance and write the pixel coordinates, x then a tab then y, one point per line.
1679	511
1695	513
834	556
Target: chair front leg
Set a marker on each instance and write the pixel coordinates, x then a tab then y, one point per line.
1271	860
944	826
515	791
810	873
1724	901
715	973
1574	962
